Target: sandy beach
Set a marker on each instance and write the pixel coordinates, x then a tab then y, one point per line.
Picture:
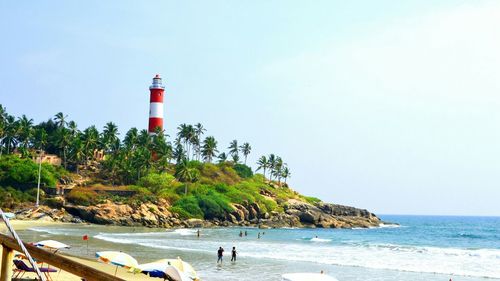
63	275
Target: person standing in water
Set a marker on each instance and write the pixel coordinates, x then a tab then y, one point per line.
245	233
198	233
241	233
233	254
258	236
220	253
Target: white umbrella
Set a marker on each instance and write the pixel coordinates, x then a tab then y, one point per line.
52	244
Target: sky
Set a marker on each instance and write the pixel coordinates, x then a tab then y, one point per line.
392	106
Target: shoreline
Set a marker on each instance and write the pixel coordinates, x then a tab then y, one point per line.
202	260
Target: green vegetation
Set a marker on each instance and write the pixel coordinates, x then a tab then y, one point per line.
23	173
181	171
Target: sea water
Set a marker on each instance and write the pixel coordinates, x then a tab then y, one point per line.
419	248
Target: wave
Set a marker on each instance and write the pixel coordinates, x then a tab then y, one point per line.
468	235
450	261
58	231
315	239
384	225
184	231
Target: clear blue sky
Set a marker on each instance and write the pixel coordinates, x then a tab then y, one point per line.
393	106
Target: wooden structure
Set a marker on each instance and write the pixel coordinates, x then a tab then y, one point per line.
9	244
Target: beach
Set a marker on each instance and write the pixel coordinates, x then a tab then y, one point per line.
422	248
63	275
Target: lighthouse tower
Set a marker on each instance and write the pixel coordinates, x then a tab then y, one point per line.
156	104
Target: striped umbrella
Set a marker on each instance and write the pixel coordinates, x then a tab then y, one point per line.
176	269
117	258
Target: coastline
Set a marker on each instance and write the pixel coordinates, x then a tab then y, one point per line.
348	254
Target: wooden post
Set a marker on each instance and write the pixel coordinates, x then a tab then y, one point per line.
61	262
7	261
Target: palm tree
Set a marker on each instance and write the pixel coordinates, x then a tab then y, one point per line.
185	173
73	128
198	130
63	141
209	149
130	140
41	138
25	130
285	173
90	140
60	120
187	134
245	149
222	157
179	153
110	136
263	164
144	139
271	164
141	161
234	149
277	171
235	158
77	152
11	131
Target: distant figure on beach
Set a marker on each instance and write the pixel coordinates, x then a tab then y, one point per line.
258	236
198	233
220	253
316	236
241	233
322	272
233	254
245	233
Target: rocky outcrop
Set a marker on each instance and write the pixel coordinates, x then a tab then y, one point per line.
302	214
295	214
44	213
146	214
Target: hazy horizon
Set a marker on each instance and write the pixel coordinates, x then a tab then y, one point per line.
392	107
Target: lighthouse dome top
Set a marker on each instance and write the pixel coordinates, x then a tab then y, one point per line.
157	84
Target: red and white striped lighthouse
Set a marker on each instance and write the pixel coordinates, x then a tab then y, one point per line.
156	104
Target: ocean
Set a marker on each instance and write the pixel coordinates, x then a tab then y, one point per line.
420	248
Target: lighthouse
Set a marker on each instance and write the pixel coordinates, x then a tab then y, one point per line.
156	105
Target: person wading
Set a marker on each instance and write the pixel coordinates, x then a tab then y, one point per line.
220	253
233	254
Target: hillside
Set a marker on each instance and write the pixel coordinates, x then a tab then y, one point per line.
223	194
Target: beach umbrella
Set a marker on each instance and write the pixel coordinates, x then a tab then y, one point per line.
176	274
52	244
117	258
162	267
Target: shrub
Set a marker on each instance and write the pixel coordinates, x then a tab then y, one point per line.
156	182
311	200
83	197
10	198
55	203
23	173
243	170
169	194
189	205
139	189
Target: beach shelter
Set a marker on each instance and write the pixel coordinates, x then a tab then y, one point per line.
117	258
